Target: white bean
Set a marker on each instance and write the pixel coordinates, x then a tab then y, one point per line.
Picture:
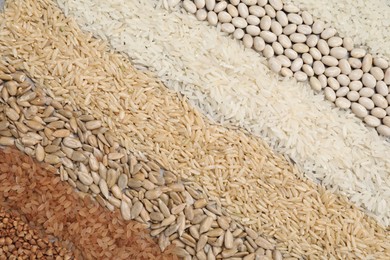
307	18
343	79
258	44
359	110
329	61
265	23
275	64
286	72
382	88
220	6
318	27
378	112
298	38
247	40
343	103
189	6
372	121
268	52
353	96
276	28
253	20
300	76
270	11
343	91
335	41
200	3
318	67
253	30
386	121
276	4
332	71
377	73
212	18
243	10
308	70
278	48
268	37
295	18
339	52
224	17
323	79
330	94
249	2
281	17
333	83
227	27
315	84
300	47
381	63
257	11
285	41
387	76
344	66
232	10
262	2
291	54
296	64
358	53
366	92
383	130
210	4
355	85
356	74
307	58
379	101
328	33
289	29
366	102
367	63
368	80
239	22
305	29
348	43
315	53
323	47
355	63
234	2
201	14
238	34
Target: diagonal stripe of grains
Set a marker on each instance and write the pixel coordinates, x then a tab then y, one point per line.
256	186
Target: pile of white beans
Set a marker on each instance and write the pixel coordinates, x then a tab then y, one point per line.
300	47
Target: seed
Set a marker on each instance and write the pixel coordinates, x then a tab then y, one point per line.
7	141
85	178
205	225
71	142
136	209
52	159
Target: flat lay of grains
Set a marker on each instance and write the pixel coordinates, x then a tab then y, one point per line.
207	67
116	158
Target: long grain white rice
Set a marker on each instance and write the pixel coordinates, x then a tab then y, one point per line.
231	85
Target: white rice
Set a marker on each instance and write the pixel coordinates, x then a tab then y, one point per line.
231	85
367	22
